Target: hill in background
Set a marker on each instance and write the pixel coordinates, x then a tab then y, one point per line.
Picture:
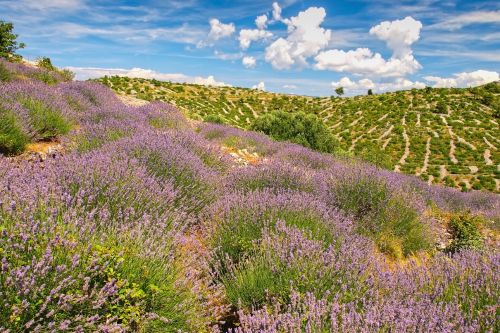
444	136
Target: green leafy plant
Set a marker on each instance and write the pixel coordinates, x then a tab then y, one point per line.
305	129
48	123
8	41
12	138
465	232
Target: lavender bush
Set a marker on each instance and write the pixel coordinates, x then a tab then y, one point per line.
145	224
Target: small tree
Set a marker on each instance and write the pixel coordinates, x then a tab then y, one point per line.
8	42
339	91
370	92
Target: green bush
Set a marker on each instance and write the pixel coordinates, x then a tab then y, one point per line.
213	118
47	123
12	138
382	215
305	129
236	235
5	75
465	232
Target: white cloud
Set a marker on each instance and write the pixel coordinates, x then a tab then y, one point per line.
218	30
399	36
477	17
249	62
209	81
84	73
290	86
180	34
46	5
364	61
247	36
260	86
464	79
276	11
399	84
228	56
348	84
261	22
305	39
361	86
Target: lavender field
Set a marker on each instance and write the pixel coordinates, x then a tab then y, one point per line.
143	221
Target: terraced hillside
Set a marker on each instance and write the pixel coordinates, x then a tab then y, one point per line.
447	136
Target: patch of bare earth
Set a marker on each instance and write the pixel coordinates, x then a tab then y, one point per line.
131	101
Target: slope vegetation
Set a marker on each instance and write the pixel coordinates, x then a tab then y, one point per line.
444	136
148	222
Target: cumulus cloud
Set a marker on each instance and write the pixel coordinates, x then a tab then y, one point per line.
249	62
305	39
85	73
464	79
476	17
247	36
209	81
348	84
218	30
361	86
260	86
364	61
261	22
276	11
399	35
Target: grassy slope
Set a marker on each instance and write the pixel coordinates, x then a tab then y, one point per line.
460	145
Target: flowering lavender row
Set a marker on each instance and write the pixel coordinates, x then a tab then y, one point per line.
144	224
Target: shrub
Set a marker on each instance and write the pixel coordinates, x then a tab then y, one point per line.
12	137
305	129
288	258
5	74
213	118
238	220
276	177
388	217
8	42
465	232
47	123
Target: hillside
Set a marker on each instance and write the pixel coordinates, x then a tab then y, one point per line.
444	136
123	218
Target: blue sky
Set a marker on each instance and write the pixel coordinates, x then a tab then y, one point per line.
301	47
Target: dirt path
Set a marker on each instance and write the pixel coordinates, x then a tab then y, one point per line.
406	153
386	133
426	157
465	142
489	143
386	143
253	111
131	101
351	148
487	157
451	154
